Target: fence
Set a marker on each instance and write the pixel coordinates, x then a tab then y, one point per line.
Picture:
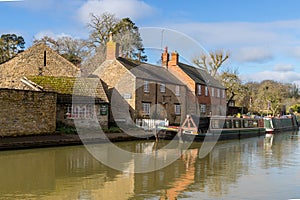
149	124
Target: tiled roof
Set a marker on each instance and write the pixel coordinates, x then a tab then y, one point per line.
149	72
72	86
200	76
36	60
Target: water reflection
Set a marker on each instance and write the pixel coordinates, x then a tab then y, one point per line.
72	173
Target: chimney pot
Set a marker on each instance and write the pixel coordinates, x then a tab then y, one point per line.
112	48
174	58
165	58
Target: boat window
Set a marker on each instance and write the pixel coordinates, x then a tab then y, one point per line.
237	123
227	124
246	125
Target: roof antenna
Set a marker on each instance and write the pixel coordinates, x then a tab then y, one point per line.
162	39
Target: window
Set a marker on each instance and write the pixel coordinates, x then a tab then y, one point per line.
177	90
146	108
218	93
212	92
80	111
206	91
223	94
177	109
199	89
162	87
146	86
203	108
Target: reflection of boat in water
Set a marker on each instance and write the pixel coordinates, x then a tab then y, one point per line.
214	128
283	123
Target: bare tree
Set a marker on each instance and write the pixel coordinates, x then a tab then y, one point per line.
211	63
125	32
100	27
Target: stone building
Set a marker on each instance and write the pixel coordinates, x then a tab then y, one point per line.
78	99
141	90
38	60
207	93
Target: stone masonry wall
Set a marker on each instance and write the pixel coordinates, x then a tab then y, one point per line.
27	112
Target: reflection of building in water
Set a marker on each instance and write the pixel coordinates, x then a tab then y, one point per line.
185	179
213	175
72	173
64	173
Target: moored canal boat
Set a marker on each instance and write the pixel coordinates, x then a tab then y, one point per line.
215	128
283	123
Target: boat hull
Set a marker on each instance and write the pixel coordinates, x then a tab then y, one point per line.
213	135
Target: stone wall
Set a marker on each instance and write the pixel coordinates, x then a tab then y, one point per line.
120	86
27	112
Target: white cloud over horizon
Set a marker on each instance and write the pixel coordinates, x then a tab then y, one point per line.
283	67
280	76
134	9
50	34
249	42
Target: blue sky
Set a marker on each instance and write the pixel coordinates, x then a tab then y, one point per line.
263	37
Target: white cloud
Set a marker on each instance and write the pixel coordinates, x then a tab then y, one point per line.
50	34
249	42
285	77
283	67
134	9
253	54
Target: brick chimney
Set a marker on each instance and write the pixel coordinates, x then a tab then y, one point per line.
112	48
165	58
174	59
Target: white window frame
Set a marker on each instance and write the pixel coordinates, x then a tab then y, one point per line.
212	92
177	90
206	91
203	108
146	86
162	87
177	108
146	108
199	88
80	111
224	96
218	93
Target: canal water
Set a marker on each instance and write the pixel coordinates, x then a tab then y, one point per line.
255	168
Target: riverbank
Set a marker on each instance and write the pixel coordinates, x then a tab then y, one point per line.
61	139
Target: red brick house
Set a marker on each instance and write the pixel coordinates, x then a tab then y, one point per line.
208	94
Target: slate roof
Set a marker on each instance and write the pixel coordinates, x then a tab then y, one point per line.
72	85
149	72
200	76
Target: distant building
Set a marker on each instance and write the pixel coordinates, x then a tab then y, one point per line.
38	60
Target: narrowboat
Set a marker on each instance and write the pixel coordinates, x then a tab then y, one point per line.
282	123
215	128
